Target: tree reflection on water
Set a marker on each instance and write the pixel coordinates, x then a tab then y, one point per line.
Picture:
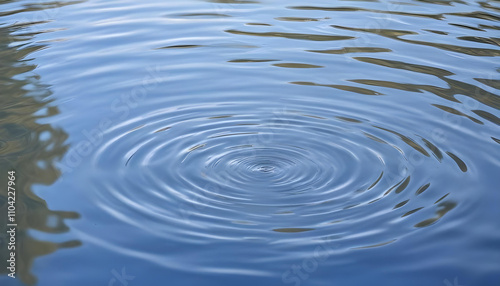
31	149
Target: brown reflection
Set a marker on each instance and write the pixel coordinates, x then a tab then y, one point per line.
182	47
460	163
292	230
203	15
466	27
489	27
39	6
435	150
297	66
396	35
395	185
258	24
297	19
401	204
403	185
455	87
410	142
357	9
348	50
456	112
422	189
341	87
29	147
405	66
445	207
295	36
476	14
412	211
488	116
251	60
375	245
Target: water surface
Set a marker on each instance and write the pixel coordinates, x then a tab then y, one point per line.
252	142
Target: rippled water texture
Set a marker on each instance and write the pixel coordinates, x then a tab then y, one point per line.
252	142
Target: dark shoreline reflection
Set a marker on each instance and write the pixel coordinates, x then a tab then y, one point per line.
31	149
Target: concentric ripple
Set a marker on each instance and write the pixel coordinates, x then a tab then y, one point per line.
218	172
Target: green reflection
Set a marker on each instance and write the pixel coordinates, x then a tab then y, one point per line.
29	147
